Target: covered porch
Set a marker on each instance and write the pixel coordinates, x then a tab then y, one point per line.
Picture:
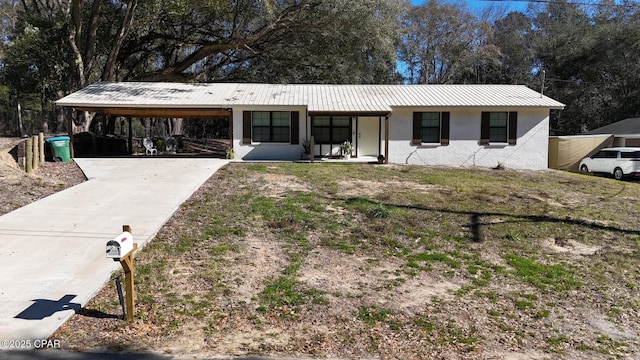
366	132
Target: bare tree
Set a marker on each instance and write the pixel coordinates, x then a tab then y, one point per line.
438	43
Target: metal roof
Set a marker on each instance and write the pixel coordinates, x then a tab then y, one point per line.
317	98
626	127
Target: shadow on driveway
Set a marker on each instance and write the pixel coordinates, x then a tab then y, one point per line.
42	308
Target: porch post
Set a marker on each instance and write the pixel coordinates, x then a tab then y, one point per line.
386	139
357	134
379	135
312	147
69	115
130	135
230	117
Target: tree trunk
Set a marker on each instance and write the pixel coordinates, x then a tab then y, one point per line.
90	46
109	73
75	31
175	126
82	121
147	127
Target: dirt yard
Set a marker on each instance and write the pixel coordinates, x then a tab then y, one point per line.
19	189
384	262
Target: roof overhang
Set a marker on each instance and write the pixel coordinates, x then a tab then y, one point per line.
349	113
195	100
159	112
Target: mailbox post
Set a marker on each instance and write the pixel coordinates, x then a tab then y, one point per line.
121	248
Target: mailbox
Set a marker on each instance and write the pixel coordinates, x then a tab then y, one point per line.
120	246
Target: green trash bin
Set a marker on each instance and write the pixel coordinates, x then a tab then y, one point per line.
60	148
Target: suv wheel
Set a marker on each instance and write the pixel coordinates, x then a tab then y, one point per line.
618	174
584	169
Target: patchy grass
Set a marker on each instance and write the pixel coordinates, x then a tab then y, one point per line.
371	315
366	261
285	292
544	277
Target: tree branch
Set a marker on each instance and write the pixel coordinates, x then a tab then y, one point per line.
109	72
75	29
90	46
288	17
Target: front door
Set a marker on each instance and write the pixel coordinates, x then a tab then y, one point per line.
368	136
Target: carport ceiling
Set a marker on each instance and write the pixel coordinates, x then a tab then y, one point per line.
158	112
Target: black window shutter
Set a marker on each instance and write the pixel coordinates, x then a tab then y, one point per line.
246	127
513	127
444	129
417	129
485	128
295	127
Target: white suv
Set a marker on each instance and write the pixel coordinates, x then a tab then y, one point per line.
619	162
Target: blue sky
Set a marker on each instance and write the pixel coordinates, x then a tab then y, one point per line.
476	6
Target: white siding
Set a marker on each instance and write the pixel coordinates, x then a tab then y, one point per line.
530	151
267	151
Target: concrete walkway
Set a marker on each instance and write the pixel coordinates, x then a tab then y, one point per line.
52	252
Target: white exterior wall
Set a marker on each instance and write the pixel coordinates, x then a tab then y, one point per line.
530	151
464	149
267	151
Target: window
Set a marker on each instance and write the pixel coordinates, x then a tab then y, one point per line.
499	127
322	129
430	128
606	154
630	154
270	127
331	129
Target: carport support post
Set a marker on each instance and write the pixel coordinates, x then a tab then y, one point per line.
127	265
69	115
130	135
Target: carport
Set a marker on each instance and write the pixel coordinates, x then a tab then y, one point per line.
237	103
147	102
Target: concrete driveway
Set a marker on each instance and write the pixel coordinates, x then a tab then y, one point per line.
52	252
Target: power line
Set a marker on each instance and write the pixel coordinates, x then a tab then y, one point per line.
570	3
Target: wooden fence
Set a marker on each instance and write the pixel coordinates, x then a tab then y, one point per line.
31	153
